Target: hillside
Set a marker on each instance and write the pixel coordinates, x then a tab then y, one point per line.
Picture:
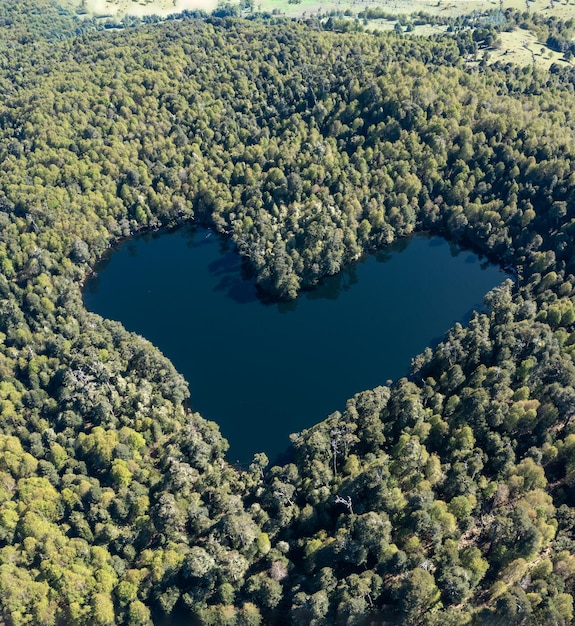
444	498
520	46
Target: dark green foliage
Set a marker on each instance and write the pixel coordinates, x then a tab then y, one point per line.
443	499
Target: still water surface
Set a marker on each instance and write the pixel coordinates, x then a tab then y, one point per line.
263	371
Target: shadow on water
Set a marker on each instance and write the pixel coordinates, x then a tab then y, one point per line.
233	278
464	321
436	242
236	277
332	287
285	457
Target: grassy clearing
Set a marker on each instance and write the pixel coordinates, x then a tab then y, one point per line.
141	8
563	9
520	47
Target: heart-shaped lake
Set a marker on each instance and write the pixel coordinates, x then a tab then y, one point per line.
263	371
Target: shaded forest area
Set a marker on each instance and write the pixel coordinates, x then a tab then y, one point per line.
445	498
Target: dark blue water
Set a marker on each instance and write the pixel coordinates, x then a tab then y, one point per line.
263	371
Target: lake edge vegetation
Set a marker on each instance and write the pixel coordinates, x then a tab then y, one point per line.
446	497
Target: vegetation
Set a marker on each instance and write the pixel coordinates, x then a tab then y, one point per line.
444	498
24	21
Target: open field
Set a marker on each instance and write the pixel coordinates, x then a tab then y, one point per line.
141	8
564	9
520	47
442	8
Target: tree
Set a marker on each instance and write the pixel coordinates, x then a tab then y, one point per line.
418	593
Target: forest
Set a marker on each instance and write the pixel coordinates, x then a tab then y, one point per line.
447	497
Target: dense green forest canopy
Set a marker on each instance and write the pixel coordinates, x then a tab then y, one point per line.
444	498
